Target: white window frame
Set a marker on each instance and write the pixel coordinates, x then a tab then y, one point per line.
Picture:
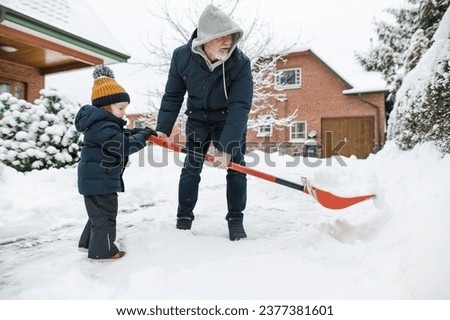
297	79
138	124
291	132
264	133
16	88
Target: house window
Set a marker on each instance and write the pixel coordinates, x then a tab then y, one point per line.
298	131
138	124
17	89
5	87
289	78
265	128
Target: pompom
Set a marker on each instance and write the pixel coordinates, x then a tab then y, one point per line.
102	71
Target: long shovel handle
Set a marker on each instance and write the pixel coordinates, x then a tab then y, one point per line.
234	166
325	198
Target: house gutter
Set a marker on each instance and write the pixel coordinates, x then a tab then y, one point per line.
24	21
378	145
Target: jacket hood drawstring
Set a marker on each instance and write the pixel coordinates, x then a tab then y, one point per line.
224	82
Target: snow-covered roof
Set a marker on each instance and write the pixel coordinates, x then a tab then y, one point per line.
366	82
74	17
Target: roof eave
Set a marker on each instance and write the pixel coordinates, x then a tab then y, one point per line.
38	26
366	91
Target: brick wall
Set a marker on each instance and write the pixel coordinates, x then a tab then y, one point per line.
31	77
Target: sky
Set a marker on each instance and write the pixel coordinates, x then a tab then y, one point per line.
335	30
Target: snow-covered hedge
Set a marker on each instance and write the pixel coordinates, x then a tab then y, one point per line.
39	135
422	109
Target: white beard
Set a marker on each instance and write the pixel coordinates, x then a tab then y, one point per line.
220	54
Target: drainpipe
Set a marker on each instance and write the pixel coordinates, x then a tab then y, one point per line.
378	145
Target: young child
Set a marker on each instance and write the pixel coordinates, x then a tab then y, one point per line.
104	155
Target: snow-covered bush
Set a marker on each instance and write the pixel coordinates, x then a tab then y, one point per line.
39	135
422	110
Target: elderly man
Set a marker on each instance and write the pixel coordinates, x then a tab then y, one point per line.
218	79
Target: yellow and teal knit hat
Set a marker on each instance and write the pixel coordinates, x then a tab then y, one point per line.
106	90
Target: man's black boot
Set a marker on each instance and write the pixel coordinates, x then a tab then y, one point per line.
236	230
184	224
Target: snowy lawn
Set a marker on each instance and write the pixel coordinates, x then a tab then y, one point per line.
396	247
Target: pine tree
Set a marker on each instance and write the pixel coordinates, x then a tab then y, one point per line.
422	109
437	109
40	135
401	44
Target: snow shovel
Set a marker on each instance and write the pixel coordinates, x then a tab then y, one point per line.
325	198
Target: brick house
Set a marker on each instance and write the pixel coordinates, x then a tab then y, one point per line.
41	37
345	119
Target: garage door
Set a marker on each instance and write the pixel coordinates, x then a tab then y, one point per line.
347	136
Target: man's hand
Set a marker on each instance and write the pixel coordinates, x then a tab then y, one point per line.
221	160
161	135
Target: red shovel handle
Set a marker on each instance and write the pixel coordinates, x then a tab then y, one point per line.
234	166
325	198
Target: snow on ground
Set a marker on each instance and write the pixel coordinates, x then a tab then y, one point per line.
396	247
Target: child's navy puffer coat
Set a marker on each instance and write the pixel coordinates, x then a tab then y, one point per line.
104	155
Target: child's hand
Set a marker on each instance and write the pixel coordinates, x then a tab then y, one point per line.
147	132
135	130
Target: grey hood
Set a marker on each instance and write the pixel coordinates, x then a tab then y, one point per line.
215	23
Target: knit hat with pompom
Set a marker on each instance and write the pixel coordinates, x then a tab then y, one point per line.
106	90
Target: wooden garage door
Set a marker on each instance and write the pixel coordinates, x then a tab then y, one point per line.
347	136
